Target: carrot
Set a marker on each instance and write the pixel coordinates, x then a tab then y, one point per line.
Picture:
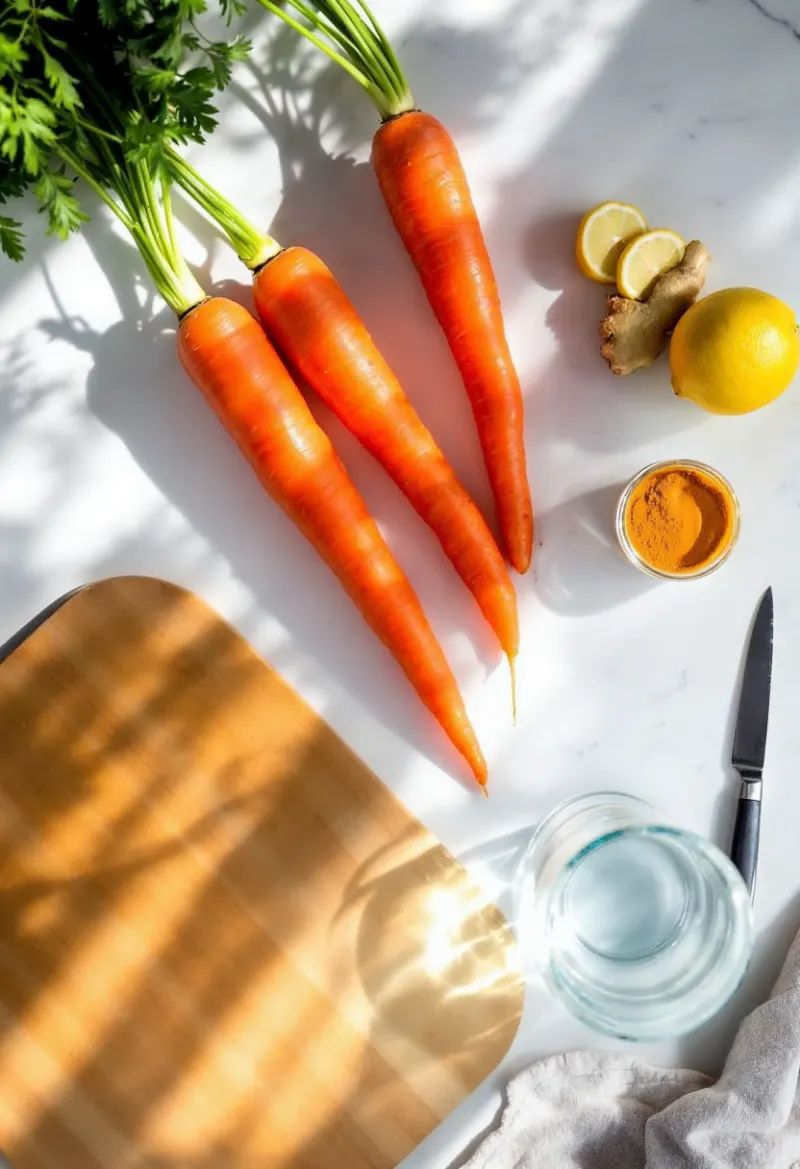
226	353
314	325
426	192
427	195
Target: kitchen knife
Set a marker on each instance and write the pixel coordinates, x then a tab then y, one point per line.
750	742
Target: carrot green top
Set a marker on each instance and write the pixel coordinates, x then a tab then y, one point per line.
102	92
348	33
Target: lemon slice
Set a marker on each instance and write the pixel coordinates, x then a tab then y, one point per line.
645	259
602	235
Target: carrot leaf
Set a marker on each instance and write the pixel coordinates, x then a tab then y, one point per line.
54	190
106	101
78	106
62	84
11	238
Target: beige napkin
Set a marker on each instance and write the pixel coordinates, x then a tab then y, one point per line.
603	1110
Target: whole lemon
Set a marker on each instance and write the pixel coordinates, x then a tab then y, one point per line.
734	351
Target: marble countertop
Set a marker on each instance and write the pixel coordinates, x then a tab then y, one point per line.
111	463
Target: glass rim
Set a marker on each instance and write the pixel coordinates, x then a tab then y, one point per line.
633	557
583	797
661	824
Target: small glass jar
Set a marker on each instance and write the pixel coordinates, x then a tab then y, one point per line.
634	556
640	929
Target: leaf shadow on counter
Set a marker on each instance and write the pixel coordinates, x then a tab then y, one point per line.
580	568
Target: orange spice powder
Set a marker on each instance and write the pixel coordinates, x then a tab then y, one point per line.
679	519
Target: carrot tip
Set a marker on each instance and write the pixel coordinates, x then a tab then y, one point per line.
513	671
484	790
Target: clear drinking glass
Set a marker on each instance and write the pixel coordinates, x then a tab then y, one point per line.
641	929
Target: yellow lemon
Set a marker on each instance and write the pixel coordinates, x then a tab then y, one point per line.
603	233
645	259
734	351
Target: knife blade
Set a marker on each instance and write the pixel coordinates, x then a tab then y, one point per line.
750	741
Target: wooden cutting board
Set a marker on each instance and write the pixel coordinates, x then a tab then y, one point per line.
223	943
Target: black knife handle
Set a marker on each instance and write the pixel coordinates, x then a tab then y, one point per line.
744	849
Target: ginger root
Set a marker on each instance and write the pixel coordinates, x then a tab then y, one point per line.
635	332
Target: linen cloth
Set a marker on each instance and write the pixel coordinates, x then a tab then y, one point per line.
607	1110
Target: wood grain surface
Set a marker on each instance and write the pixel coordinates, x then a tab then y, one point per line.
223	943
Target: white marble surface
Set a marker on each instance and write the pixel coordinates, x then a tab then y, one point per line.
110	462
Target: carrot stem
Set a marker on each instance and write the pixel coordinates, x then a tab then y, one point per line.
370	53
175	252
341	60
332	30
253	247
148	223
82	173
359	46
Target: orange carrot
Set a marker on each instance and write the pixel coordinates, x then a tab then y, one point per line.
314	325
226	353
426	192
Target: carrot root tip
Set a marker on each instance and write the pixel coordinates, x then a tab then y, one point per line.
513	672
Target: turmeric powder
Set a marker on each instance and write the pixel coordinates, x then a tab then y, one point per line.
679	519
